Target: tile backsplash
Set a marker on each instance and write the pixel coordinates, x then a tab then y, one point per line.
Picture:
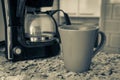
114	1
110	24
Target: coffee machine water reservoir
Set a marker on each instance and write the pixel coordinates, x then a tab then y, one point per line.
30	32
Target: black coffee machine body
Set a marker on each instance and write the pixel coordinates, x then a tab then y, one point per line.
21	45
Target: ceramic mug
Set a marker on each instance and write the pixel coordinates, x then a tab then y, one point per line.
78	45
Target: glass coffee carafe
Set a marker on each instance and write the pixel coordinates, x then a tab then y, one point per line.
39	27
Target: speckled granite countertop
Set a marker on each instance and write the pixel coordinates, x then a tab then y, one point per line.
104	66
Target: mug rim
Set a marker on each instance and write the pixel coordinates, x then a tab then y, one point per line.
67	27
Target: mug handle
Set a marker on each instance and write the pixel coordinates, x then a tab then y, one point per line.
101	44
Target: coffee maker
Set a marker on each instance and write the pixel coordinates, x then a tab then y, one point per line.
25	37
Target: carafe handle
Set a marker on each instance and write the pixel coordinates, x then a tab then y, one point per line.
101	44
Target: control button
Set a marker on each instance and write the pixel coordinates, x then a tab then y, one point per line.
17	50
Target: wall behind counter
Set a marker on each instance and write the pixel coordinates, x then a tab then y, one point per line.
2	34
110	24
